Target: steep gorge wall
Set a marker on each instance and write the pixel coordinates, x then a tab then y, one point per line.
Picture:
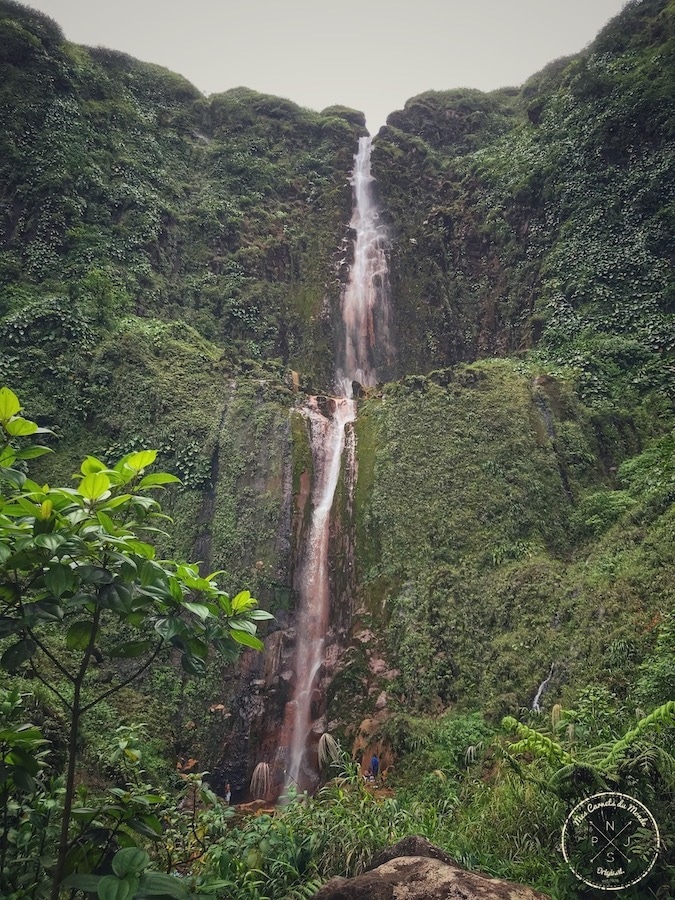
492	541
538	216
126	191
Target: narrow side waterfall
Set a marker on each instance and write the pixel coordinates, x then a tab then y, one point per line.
540	690
365	311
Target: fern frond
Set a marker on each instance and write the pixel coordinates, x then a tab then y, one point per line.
663	715
576	773
651	760
534	742
329	750
305	891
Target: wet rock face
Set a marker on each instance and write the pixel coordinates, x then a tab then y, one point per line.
427	874
412	845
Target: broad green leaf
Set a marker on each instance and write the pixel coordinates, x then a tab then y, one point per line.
153	575
242	624
175	589
130	649
46	509
58	579
259	615
243	600
199	609
157	480
79	634
198	648
112	888
248	640
50	542
17	654
23	780
117	597
33	452
130	861
140	460
9	404
19	757
94	486
225	604
9	625
45	611
140	826
79	601
227	648
94	575
28	735
169	627
215	574
7	456
193	665
5	553
107	522
156	884
128	570
127	840
15	478
114	502
19	427
143	549
91	465
30	508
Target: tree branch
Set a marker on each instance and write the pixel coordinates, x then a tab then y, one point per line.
51	656
126	681
51	687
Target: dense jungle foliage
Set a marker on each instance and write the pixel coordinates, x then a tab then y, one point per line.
170	276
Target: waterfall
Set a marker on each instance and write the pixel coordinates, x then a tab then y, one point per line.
366	315
365	303
540	690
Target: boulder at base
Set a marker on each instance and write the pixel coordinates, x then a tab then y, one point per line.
428	875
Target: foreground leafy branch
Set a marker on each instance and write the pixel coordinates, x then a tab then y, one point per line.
76	568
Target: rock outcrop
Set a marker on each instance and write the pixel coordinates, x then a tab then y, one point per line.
416	870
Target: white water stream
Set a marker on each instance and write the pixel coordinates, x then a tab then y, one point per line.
365	306
365	312
540	690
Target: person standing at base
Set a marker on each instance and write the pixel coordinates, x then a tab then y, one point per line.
228	793
375	766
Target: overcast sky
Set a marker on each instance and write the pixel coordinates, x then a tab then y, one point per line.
369	54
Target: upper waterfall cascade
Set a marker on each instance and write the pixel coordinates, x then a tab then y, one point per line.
365	303
366	316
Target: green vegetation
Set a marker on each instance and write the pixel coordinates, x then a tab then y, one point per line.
80	586
530	535
170	272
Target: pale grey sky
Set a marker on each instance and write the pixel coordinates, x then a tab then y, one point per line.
369	54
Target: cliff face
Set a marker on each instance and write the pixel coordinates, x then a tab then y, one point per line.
170	275
126	191
539	216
